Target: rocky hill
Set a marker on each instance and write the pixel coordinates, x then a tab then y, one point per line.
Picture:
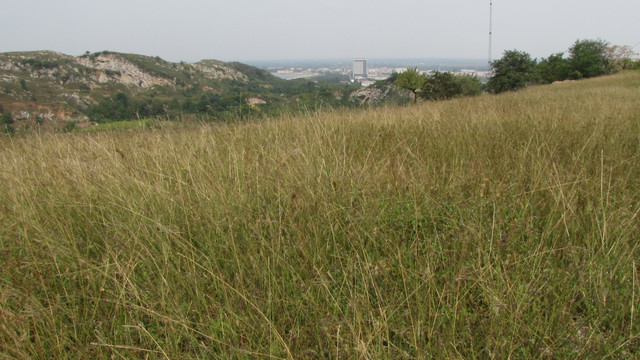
47	89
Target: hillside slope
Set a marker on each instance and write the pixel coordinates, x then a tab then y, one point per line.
498	227
47	89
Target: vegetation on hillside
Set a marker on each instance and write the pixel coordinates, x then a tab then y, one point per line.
7	122
516	70
44	90
498	226
438	85
587	58
108	86
224	100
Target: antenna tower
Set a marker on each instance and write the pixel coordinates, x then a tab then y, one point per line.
490	28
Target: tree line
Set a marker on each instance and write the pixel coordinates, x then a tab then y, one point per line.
586	59
438	85
517	69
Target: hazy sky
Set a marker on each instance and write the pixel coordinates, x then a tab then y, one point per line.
192	30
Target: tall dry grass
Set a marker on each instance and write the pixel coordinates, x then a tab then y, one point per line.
491	227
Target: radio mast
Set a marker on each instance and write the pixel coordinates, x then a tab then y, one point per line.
490	28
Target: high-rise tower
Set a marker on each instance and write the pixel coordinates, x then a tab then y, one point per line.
360	67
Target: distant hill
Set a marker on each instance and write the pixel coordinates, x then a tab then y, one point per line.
47	89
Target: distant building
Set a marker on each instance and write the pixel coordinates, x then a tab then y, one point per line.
360	67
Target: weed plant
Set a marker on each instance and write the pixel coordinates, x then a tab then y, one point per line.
490	227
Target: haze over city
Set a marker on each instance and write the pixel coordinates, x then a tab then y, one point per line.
249	30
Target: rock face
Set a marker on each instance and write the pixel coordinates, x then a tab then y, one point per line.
47	115
46	88
112	67
371	95
255	101
116	67
217	70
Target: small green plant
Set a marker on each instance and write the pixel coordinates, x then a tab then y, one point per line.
69	126
7	118
7	122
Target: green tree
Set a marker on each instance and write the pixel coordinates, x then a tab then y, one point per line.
469	85
443	85
553	68
440	86
120	107
588	58
204	104
412	80
514	71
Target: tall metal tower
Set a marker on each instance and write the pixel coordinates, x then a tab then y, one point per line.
490	28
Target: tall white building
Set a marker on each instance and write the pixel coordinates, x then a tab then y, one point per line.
360	67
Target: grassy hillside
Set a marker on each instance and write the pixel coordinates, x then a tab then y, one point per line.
493	227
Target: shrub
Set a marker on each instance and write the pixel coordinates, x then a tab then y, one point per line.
37	64
6	123
69	126
512	72
589	57
441	85
7	119
553	68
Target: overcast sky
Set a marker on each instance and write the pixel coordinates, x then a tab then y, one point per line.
192	30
